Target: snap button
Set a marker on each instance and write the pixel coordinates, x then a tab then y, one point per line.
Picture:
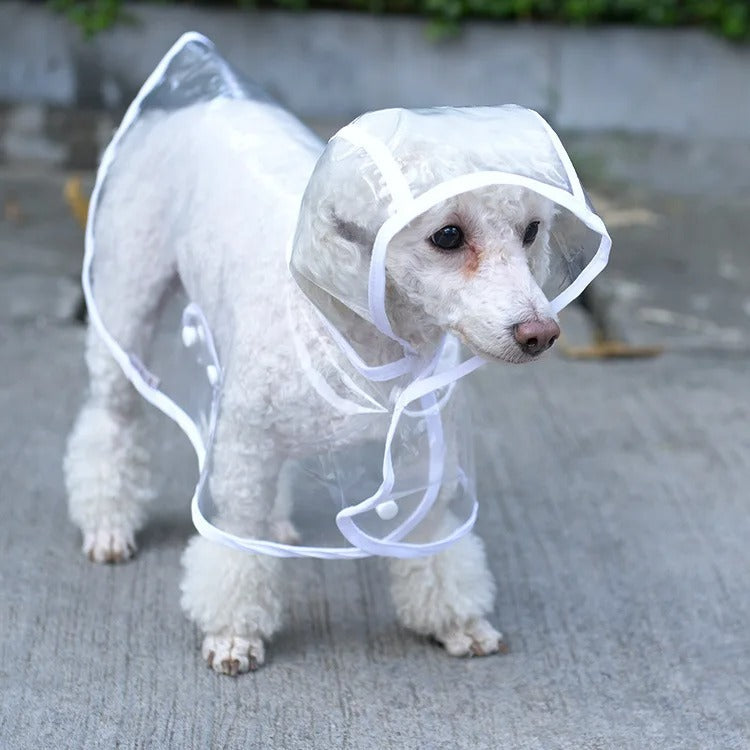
189	335
387	510
213	374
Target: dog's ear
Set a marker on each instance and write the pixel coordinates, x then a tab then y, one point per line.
354	233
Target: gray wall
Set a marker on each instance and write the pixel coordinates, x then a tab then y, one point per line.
330	67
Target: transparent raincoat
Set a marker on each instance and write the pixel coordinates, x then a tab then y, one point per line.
402	446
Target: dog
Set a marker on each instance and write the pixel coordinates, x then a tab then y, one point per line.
188	199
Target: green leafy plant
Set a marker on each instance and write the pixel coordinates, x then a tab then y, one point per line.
731	18
90	15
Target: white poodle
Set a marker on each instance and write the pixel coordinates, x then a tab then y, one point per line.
186	200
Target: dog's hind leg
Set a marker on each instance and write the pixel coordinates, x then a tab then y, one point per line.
106	462
106	469
282	528
233	596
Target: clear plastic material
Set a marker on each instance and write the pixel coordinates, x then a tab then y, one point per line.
478	147
395	474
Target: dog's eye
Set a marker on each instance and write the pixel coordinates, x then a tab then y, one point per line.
448	238
530	234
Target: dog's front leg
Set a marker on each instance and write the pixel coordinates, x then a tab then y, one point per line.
234	596
448	595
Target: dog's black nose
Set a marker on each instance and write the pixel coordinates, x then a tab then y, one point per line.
536	336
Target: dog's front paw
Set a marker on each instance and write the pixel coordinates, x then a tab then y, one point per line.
475	638
109	545
233	655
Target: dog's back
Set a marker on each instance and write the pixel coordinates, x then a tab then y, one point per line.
209	192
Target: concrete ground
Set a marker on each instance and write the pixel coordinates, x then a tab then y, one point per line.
613	504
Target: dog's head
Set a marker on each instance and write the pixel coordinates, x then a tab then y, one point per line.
473	264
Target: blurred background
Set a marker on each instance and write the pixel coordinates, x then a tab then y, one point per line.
652	99
615	475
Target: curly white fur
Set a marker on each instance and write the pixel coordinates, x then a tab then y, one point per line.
106	464
188	196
